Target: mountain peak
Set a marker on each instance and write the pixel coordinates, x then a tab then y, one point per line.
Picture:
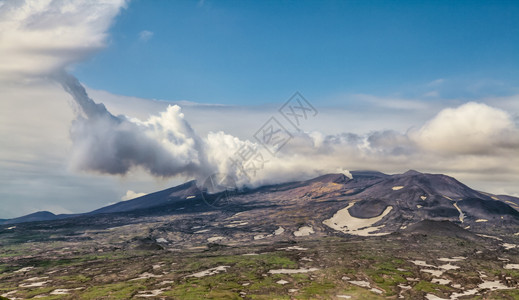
412	173
334	177
42	213
368	174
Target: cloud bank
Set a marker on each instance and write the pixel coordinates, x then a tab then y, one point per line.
473	128
469	137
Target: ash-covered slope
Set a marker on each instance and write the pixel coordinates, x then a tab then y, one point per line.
414	197
179	193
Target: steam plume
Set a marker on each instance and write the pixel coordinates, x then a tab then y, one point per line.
164	145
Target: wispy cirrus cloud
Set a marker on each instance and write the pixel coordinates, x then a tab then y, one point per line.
145	35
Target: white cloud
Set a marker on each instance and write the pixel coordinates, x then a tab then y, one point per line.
38	37
145	35
472	128
393	103
436	82
132	195
431	94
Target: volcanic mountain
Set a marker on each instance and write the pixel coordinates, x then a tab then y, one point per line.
370	203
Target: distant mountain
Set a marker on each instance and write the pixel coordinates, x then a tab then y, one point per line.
370	203
37	216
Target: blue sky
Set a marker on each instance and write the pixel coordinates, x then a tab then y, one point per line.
253	52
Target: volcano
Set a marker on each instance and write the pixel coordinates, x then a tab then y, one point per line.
372	236
386	203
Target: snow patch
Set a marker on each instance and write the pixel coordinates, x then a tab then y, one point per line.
508	246
462	215
26	269
493	285
433	297
421	263
292	271
448	267
208	272
34	284
64	291
36	278
512	267
346	223
360	283
293	248
152	293
304	231
489	236
9	293
453	259
436	273
146	275
440	281
279	231
236	224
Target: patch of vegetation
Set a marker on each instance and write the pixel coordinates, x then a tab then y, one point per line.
74	278
358	293
30	293
386	275
220	286
316	288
